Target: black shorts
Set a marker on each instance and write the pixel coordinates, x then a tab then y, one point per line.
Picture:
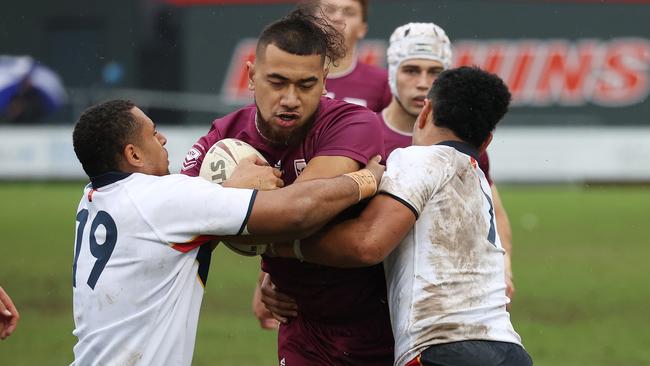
473	353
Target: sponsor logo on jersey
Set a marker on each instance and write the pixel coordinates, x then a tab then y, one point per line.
548	72
299	165
191	158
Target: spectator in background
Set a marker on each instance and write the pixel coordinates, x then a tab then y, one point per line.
349	79
8	315
29	91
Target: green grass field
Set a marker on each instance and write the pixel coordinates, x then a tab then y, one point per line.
580	269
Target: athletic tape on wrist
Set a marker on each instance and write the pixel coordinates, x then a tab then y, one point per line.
297	252
366	182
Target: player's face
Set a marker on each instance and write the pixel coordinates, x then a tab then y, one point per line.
287	91
414	79
151	144
347	17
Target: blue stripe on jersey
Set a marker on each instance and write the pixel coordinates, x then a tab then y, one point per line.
462	147
398	199
248	213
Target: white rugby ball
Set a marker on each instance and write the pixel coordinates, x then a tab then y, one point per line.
218	164
222	158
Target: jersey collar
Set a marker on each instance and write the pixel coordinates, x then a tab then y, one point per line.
462	147
107	178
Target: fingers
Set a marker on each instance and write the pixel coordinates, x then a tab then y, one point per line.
280	305
8	315
376	159
259	161
269	323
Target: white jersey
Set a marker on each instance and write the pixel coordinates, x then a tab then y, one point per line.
137	273
446	279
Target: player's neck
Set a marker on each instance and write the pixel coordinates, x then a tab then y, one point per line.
397	118
344	65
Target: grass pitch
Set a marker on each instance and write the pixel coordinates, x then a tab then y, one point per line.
580	262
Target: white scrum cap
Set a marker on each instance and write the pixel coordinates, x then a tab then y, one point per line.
416	40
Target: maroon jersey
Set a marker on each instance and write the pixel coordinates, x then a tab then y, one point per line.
340	129
394	139
365	85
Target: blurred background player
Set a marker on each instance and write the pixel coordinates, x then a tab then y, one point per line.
343	314
348	78
433	226
138	271
8	315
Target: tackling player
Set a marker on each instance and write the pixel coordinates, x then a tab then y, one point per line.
433	225
417	53
343	314
138	273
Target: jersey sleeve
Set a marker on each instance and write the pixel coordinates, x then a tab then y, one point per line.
412	176
484	164
190	211
194	158
355	134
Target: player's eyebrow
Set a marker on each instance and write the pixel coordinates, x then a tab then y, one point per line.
284	78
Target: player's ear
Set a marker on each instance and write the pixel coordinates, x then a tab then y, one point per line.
363	30
485	143
325	72
132	157
424	114
251	73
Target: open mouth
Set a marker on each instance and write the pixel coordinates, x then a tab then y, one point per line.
287	119
419	101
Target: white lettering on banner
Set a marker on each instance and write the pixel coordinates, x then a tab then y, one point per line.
541	73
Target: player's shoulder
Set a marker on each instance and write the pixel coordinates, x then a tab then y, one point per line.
372	71
146	184
336	108
419	158
235	119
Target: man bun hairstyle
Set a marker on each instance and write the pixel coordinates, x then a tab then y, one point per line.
303	33
470	102
100	135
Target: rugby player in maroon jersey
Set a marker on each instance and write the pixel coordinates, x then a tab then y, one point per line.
342	315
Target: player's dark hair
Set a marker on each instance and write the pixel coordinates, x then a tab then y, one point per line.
101	133
316	5
302	33
470	102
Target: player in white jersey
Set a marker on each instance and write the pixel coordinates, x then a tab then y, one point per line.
435	228
137	274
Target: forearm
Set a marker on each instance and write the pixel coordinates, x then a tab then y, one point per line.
302	208
363	241
345	246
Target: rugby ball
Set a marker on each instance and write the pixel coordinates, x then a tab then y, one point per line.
222	158
219	162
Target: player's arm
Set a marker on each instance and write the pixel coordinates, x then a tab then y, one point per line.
505	234
302	208
363	241
327	167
